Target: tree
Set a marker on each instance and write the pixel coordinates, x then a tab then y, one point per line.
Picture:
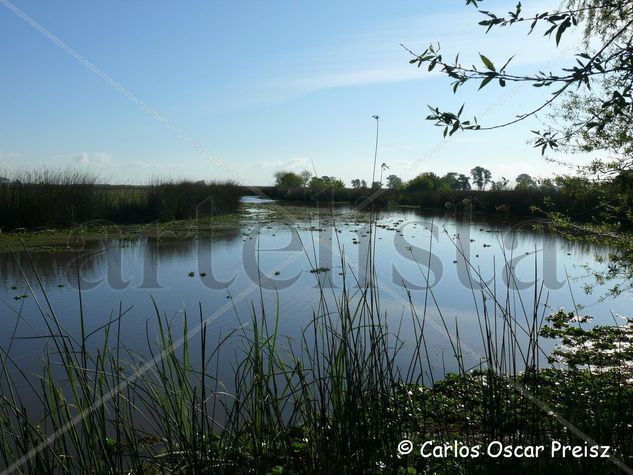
305	177
450	180
525	181
356	183
481	177
376	185
464	182
546	184
427	181
285	181
591	108
624	182
394	182
500	185
456	181
602	73
320	183
363	184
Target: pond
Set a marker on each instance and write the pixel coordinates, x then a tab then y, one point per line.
427	265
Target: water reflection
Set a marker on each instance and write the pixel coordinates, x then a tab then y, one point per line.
227	268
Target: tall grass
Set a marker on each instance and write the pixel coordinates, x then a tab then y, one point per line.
337	399
60	198
37	198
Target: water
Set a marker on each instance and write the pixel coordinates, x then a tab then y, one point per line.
269	252
255	200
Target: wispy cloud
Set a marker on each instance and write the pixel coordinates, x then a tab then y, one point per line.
375	57
351	78
8	156
98	158
295	165
151	165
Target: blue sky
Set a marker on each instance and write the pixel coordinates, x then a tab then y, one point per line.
262	86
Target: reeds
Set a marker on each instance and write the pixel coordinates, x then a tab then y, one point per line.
61	198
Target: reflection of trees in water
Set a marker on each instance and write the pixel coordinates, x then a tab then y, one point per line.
52	268
98	260
502	229
179	245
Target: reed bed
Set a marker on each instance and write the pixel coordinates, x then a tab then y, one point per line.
36	199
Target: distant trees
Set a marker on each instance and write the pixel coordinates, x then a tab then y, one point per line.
481	177
547	184
464	182
427	181
624	182
450	180
456	181
500	185
357	184
305	177
323	182
285	181
394	182
525	181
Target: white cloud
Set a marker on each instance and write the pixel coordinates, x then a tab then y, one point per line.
354	78
294	165
152	165
8	156
99	158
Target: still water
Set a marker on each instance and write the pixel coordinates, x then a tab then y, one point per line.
271	252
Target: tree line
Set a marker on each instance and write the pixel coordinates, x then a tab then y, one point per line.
479	178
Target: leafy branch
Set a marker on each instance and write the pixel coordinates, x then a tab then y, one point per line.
614	57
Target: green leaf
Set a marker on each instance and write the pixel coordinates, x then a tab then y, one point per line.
487	63
485	81
559	32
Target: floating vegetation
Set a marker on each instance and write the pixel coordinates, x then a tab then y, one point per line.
319	270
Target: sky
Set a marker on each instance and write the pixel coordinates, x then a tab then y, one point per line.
232	89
